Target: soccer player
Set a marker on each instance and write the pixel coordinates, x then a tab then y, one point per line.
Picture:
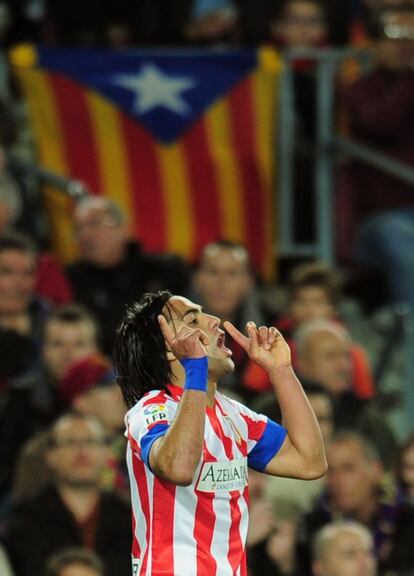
190	446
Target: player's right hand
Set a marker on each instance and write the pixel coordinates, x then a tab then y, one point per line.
187	342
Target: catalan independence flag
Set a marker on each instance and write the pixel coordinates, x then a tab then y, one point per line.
184	141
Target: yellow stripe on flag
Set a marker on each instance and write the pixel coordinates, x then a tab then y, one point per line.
45	119
51	148
177	197
227	173
265	90
110	146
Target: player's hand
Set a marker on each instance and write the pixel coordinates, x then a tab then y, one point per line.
186	343
265	346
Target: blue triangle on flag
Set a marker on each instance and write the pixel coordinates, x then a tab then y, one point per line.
165	91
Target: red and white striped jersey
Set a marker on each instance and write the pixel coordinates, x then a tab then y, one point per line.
196	530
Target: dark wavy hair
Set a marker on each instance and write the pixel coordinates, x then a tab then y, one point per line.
140	357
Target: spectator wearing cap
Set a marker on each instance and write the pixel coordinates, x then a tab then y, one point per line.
89	387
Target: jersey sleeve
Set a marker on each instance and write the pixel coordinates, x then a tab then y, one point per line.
265	437
148	421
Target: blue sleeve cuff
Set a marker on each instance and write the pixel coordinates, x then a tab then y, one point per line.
267	447
148	440
196	373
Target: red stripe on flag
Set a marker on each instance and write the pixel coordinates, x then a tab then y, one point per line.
141	480
205	197
242	119
146	185
204	527
79	142
163	527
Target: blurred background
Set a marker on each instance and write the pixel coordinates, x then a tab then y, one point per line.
257	157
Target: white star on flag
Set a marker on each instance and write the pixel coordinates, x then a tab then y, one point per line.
153	89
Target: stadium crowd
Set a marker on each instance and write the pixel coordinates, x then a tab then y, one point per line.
64	495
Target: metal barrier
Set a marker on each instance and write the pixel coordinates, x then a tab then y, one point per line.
73	188
328	145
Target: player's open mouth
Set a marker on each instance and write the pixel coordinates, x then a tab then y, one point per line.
221	344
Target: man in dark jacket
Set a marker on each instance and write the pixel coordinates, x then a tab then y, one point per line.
73	511
112	271
356	490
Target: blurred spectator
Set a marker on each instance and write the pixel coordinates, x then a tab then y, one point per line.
74	511
405	470
225	286
10	200
22	314
27	20
75	562
113	271
323	357
301	494
315	292
260	510
322	348
31	472
69	334
356	490
323	406
51	283
300	24
89	387
381	111
276	555
212	22
343	549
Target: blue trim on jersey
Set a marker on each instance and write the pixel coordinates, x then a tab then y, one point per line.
148	440
268	445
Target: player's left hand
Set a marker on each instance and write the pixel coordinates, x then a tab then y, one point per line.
264	345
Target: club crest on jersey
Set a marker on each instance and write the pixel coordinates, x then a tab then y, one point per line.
223	476
155	413
237	435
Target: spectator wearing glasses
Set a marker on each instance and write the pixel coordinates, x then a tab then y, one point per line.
112	270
